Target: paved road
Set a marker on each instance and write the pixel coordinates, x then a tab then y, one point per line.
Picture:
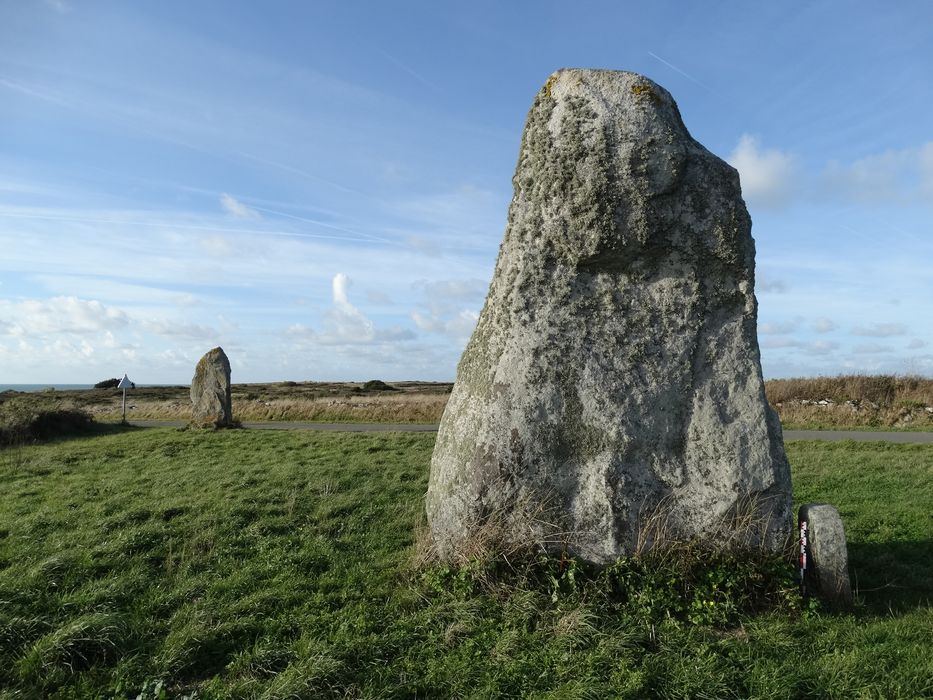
859	435
326	427
831	435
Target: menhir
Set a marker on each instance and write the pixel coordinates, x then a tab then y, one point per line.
612	394
211	404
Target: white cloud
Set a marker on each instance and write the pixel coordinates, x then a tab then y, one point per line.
216	246
770	177
870	349
880	330
300	330
824	325
781	328
168	328
894	175
339	290
926	168
176	358
113	290
455	289
818	347
767	175
394	334
376	296
64	314
425	246
185	299
822	347
460	325
916	344
344	324
446	306
236	208
765	284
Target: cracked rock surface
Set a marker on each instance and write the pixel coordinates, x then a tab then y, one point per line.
614	376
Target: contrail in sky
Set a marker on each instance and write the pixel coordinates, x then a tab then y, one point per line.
675	68
417	76
358	237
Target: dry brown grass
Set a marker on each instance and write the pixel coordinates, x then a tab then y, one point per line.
405	408
846	401
411	402
528	527
534	526
859	400
748	526
882	389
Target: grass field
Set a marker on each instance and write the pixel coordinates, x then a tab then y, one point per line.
158	563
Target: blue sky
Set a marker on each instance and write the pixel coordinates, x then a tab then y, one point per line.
322	187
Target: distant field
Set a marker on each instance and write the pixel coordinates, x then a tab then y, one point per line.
866	401
251	564
857	401
327	402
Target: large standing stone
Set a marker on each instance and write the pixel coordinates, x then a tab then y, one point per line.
210	391
614	375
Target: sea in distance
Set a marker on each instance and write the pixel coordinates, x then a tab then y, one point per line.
32	388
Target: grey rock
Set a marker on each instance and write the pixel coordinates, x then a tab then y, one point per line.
611	393
211	404
827	573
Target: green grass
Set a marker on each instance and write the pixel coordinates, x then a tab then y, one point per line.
884	493
278	564
842	427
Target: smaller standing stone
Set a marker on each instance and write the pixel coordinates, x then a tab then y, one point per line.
211	405
827	573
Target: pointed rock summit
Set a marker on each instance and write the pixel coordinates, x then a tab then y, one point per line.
211	405
612	390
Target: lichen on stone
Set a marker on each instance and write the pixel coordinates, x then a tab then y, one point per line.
614	366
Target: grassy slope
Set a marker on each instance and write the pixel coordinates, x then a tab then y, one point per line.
251	564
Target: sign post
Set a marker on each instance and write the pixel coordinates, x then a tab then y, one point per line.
124	384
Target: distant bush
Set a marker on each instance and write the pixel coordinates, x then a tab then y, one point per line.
24	420
111	383
882	389
378	385
848	401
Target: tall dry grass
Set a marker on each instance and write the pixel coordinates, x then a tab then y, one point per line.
395	408
883	389
401	408
842	401
856	400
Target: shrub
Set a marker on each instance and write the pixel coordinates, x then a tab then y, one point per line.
24	420
691	584
378	385
111	383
